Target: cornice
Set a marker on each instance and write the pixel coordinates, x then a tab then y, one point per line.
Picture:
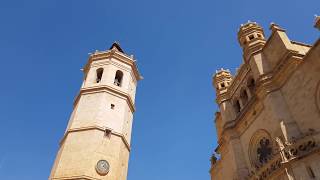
281	73
105	88
222	97
300	43
81	177
312	49
253	50
99	128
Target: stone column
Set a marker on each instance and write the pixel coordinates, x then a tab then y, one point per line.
237	152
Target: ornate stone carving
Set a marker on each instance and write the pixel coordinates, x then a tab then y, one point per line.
287	152
261	148
264	150
300	147
267	169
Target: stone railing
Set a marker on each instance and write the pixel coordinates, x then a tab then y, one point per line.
299	147
267	169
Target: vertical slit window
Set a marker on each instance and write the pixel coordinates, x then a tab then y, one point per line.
244	96
237	107
99	75
118	78
251	85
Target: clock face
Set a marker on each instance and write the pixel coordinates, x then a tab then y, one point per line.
102	167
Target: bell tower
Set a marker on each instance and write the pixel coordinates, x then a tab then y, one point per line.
251	39
221	81
96	143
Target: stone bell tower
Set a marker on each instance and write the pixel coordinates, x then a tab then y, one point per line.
96	143
221	81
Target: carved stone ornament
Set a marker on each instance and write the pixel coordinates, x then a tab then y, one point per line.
102	167
261	148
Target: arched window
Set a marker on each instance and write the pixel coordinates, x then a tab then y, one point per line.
237	106
99	75
244	97
118	78
251	85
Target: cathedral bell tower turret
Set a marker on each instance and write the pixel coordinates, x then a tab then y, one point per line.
96	143
221	81
251	38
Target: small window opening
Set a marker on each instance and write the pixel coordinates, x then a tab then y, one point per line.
251	37
112	106
107	133
251	85
259	35
310	172
237	107
222	85
118	78
244	96
99	75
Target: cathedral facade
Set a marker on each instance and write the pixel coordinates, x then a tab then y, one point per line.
268	126
96	143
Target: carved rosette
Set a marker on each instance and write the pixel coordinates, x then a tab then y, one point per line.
261	148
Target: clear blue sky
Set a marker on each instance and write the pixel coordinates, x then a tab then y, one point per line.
178	45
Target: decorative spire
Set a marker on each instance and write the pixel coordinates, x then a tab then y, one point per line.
116	46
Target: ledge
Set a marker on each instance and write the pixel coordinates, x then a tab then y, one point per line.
81	177
88	128
105	88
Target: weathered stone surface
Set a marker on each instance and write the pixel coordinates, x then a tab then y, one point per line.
280	112
100	125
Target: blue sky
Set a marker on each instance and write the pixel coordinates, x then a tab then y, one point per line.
178	45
